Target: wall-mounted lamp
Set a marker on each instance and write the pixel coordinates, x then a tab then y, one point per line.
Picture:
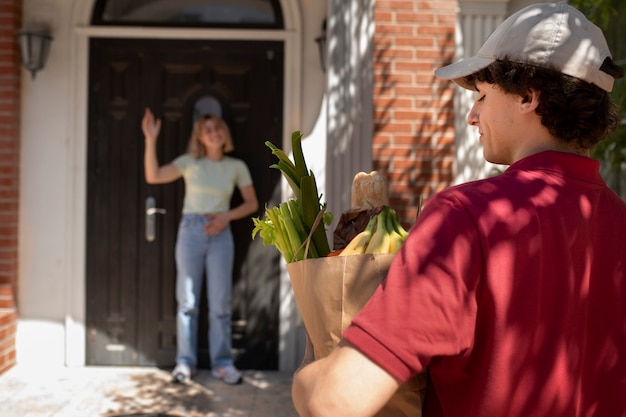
321	45
34	45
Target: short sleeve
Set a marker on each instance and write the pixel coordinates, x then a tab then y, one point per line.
243	175
182	162
427	304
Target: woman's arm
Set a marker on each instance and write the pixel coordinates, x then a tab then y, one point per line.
154	173
346	383
248	206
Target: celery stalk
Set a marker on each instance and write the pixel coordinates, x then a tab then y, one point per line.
289	225
295	212
281	234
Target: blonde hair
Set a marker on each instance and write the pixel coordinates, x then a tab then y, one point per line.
196	148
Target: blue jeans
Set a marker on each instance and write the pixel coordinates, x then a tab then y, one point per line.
197	253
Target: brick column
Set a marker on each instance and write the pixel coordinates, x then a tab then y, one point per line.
10	22
8	325
413	111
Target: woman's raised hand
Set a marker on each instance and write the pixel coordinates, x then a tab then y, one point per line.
150	126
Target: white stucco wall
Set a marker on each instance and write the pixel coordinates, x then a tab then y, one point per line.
51	324
45	195
477	19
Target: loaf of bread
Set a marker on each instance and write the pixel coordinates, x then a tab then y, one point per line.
369	191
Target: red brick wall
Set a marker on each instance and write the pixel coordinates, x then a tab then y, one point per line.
8	324
10	22
413	111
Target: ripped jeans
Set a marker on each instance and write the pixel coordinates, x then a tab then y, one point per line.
197	253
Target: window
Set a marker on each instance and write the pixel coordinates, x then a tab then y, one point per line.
259	14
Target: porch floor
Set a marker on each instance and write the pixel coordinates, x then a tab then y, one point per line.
148	392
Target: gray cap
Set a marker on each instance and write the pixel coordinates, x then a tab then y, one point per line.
552	35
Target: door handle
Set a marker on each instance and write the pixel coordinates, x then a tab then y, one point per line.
151	211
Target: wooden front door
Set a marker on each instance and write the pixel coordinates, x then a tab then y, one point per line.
130	272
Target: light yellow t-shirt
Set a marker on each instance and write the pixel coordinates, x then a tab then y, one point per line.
209	185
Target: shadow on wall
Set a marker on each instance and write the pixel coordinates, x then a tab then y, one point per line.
413	129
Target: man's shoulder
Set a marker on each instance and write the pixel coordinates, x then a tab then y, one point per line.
478	196
488	185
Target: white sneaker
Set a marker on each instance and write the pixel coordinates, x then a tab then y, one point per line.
181	374
228	374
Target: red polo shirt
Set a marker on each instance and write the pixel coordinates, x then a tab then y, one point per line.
512	292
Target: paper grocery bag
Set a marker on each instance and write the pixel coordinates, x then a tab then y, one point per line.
329	292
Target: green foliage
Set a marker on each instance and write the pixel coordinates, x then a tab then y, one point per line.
599	12
610	15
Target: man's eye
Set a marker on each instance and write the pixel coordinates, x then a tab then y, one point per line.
481	98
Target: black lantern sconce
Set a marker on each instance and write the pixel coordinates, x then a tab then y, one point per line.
34	45
321	45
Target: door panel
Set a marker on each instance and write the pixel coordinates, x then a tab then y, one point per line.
130	281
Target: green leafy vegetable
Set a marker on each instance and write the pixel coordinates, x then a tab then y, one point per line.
297	226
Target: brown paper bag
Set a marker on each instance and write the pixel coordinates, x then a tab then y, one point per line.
329	292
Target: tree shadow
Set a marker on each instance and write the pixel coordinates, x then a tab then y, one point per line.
413	141
153	394
551	307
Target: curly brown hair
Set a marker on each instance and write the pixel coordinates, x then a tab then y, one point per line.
572	110
196	148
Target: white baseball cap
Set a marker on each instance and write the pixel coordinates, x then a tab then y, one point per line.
552	35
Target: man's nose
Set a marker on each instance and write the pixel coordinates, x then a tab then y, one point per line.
472	116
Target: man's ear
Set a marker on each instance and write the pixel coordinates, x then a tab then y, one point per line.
529	101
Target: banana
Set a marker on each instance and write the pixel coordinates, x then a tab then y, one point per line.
396	242
383	234
379	243
397	226
358	243
395	239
